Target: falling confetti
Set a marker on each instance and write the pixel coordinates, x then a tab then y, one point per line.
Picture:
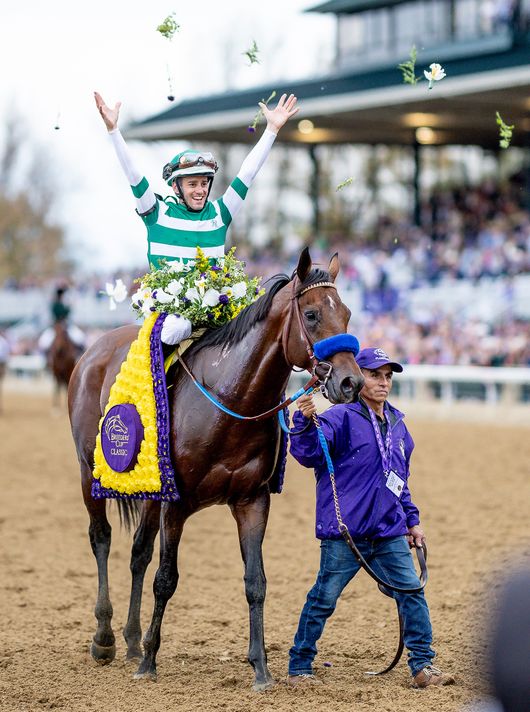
167	29
505	131
408	68
344	183
252	53
436	74
259	113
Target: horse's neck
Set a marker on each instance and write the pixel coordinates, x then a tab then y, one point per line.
253	369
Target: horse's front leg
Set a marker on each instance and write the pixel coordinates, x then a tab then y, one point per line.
172	520
251	518
141	554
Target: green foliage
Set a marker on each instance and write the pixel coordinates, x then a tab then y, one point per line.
505	131
252	53
168	27
259	113
344	183
408	68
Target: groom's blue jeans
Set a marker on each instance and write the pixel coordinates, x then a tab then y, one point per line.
391	559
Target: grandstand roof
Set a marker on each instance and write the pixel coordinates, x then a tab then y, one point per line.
352	6
364	100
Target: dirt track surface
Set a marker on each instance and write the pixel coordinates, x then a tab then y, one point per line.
470	482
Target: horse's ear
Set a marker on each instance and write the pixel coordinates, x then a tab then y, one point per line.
304	264
334	266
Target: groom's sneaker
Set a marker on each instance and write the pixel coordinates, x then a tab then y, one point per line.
431	675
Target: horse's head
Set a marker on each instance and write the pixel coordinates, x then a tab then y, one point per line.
317	313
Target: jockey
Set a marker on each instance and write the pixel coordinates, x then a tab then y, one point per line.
60	313
178	224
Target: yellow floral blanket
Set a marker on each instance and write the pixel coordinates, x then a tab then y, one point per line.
141	383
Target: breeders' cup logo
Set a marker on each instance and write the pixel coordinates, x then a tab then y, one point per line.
402	448
118	434
380	354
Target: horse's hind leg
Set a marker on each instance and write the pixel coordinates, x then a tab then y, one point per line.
251	518
172	520
103	648
141	554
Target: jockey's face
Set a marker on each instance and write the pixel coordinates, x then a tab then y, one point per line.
194	190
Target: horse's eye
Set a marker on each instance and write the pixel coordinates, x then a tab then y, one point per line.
311	316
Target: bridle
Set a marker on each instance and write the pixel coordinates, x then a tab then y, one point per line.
296	292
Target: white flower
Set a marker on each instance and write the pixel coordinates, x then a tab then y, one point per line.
193	295
211	298
177	266
163	297
175	287
201	286
437	72
239	290
116	292
138	296
146	306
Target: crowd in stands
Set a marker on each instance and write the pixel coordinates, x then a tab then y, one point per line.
467	234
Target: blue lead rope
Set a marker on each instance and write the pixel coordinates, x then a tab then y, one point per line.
226	410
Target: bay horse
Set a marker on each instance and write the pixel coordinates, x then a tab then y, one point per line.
217	460
61	359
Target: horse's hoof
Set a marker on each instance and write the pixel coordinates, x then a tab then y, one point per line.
149	675
263	686
134	654
102	654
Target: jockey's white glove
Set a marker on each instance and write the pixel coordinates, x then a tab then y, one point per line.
175	329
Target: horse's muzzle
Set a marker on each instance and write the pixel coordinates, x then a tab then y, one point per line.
350	387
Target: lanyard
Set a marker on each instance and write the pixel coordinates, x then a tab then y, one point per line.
386	448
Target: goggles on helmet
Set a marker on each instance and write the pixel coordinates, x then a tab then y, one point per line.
189	160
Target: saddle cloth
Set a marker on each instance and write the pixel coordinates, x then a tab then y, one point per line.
141	382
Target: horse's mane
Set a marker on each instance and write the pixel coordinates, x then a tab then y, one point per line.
238	328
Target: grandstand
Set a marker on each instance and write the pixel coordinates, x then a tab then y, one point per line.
442	278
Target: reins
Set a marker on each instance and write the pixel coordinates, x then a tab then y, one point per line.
311	383
307	388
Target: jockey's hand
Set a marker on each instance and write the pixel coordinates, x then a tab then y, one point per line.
306	405
109	116
415	537
285	109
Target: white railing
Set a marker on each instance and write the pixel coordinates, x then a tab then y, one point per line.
420	382
450	383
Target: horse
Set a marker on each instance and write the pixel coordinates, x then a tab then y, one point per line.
218	460
61	359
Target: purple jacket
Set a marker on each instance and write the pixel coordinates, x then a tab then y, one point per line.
368	507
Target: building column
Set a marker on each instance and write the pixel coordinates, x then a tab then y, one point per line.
416	183
315	189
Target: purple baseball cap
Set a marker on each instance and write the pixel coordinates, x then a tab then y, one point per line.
374	358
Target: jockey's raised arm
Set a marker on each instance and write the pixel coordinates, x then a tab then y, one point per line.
187	220
276	118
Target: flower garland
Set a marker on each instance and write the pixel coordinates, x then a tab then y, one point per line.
141	381
208	293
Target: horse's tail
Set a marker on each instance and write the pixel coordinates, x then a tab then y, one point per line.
129	511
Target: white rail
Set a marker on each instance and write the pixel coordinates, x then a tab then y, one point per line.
449	383
421	382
